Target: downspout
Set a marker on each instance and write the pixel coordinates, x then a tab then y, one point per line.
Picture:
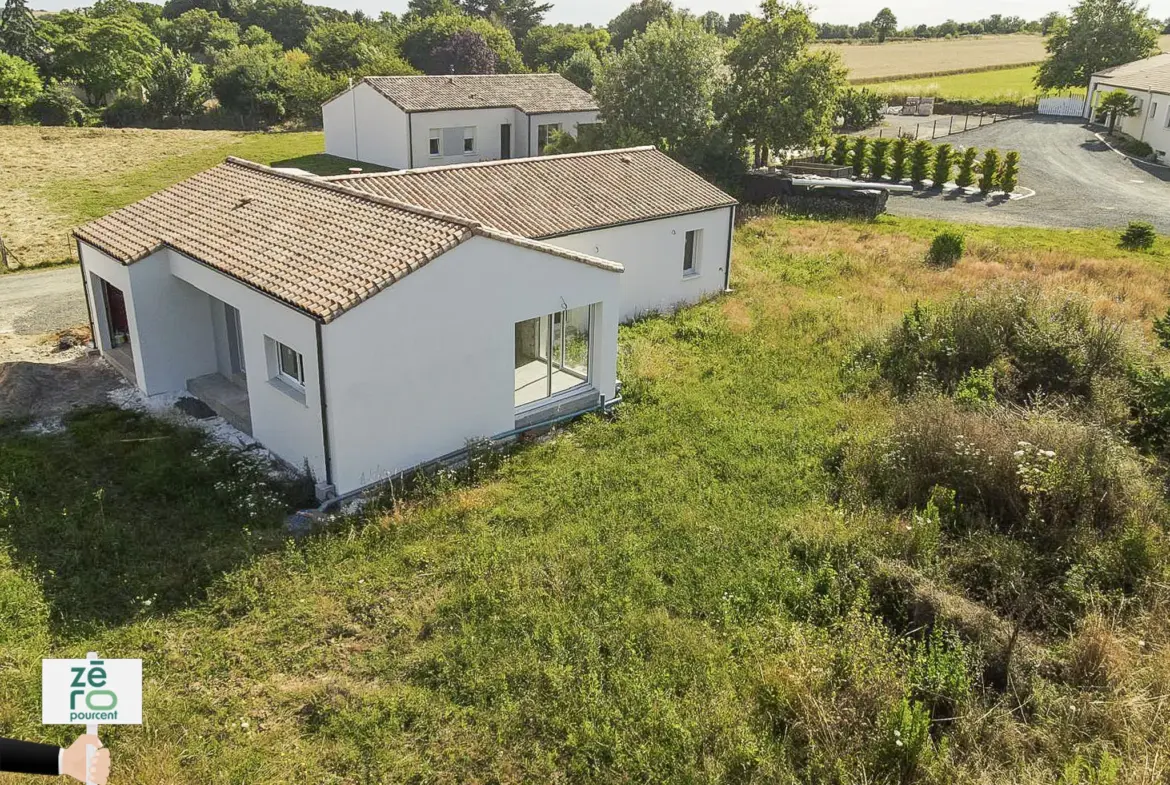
324	409
357	153
85	290
410	140
1148	107
727	264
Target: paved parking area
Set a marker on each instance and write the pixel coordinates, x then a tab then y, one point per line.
1079	182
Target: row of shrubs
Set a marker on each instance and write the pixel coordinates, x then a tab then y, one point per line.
900	159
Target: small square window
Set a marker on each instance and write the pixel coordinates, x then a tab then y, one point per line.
434	144
691	252
544	135
290	365
469	140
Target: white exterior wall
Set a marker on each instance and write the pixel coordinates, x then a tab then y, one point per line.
288	425
652	252
1151	124
362	125
567	120
429	363
486	122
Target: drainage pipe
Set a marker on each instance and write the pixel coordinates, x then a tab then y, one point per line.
852	185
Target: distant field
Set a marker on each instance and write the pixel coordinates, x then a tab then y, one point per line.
1009	84
52	179
891	60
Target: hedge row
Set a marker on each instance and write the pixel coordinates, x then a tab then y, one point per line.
899	159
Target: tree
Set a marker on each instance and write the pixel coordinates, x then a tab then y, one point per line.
919	161
107	55
349	48
466	52
228	9
200	33
1101	34
246	80
18	31
865	31
517	16
966	176
660	88
989	171
860	155
175	87
582	69
944	161
1050	20
422	38
551	46
289	21
19	86
714	23
885	24
782	94
899	152
305	88
1009	176
735	23
419	9
1117	103
636	19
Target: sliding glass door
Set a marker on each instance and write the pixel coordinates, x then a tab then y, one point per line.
552	354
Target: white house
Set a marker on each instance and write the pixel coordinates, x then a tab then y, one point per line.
345	331
1148	81
667	226
404	122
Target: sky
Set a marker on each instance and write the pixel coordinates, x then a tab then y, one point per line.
851	11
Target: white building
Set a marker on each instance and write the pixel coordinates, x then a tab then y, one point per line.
404	122
361	335
668	227
1148	81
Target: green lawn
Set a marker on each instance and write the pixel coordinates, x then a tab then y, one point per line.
1009	84
671	595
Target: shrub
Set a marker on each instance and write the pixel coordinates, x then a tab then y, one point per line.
1009	176
899	150
1135	147
966	176
57	105
860	155
943	161
879	158
840	150
976	390
20	84
940	672
989	171
1034	345
919	161
126	111
860	108
947	248
1138	236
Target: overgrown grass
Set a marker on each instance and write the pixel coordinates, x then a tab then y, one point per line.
52	179
671	596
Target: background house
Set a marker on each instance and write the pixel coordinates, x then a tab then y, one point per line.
667	226
346	332
404	122
1148	81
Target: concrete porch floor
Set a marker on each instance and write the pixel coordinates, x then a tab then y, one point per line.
226	397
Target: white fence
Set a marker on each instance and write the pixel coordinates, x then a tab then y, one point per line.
1062	107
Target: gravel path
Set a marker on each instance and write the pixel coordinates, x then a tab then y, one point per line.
1079	182
41	302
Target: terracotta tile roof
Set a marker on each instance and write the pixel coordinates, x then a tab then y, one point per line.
1153	73
316	246
553	195
530	93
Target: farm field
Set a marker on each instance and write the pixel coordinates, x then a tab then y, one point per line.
684	593
891	60
52	179
1009	84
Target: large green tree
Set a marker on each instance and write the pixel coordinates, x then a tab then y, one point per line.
783	94
175	87
352	49
636	18
19	86
289	21
518	16
885	24
200	33
18	31
107	55
582	68
247	82
422	38
661	87
1100	35
551	46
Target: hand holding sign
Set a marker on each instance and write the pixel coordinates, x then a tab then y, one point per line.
73	761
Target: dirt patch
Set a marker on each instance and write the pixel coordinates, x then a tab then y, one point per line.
42	391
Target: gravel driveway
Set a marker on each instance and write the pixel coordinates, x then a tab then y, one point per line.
41	302
1079	182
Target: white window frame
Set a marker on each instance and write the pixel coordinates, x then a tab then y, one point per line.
469	136
435	143
297	381
696	253
1153	109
